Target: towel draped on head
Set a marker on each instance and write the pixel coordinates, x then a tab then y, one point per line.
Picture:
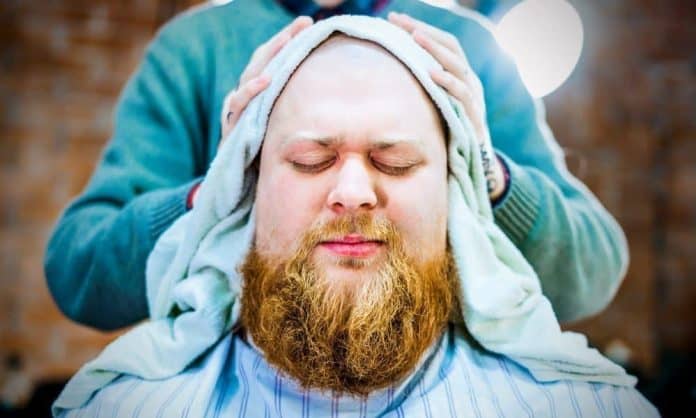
193	285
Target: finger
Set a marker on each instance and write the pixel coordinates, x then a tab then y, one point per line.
262	56
473	109
410	24
281	38
264	53
297	25
454	86
452	62
237	101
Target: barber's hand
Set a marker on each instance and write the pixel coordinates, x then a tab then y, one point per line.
460	81
253	81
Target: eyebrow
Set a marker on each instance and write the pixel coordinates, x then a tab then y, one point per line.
328	141
324	141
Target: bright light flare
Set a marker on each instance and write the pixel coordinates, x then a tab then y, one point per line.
545	38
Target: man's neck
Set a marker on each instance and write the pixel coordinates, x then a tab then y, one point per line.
310	8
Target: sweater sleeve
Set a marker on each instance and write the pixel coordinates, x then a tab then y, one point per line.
95	259
576	247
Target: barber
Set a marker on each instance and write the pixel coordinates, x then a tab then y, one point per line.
209	62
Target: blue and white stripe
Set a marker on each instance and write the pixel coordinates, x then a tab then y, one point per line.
456	380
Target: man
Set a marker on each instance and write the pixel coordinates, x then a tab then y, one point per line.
167	131
351	291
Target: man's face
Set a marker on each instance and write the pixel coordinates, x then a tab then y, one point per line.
352	133
350	281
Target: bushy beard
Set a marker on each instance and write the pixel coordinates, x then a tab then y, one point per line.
347	341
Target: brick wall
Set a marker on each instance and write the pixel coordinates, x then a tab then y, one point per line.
63	64
626	117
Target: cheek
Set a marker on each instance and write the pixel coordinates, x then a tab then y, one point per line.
421	216
285	209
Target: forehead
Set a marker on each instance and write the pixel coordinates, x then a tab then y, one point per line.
348	86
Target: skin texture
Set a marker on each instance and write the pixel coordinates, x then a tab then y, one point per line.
353	132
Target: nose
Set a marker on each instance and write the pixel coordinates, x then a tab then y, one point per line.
354	189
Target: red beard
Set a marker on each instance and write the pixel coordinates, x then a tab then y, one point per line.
347	342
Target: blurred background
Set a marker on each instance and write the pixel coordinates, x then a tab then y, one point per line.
626	117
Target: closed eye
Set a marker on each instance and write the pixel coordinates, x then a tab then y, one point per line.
393	170
313	168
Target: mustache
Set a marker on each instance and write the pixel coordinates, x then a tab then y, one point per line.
368	227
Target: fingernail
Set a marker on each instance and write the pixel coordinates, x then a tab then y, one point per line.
304	19
263	78
421	38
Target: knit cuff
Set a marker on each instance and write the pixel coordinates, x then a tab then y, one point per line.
517	212
169	205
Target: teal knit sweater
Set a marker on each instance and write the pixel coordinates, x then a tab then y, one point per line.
166	134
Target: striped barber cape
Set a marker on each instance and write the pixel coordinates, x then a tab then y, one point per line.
455	379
